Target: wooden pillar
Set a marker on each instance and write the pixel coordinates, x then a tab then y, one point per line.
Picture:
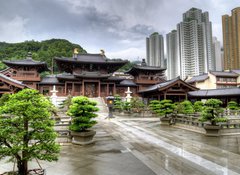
65	91
114	89
108	89
83	87
99	89
73	89
165	95
186	96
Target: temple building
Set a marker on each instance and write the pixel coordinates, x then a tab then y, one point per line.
92	75
84	74
27	71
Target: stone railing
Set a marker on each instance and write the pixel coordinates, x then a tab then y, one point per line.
192	121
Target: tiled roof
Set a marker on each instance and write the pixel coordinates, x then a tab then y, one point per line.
42	66
236	71
86	74
127	83
148	68
49	79
160	85
198	78
66	76
90	58
215	92
12	80
224	74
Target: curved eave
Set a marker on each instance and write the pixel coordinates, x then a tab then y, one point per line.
158	87
136	69
98	76
111	66
40	66
72	60
62	77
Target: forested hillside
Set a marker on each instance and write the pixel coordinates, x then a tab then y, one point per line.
42	51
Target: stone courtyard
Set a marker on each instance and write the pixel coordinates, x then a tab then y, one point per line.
141	146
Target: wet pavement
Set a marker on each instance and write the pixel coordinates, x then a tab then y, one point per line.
141	146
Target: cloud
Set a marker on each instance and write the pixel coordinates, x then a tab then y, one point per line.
115	25
13	30
130	54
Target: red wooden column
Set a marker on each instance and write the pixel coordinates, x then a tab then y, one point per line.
83	87
107	89
99	89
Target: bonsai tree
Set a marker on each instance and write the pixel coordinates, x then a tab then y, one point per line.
118	103
212	111
187	107
154	105
232	105
127	106
82	111
26	129
137	104
178	108
198	106
165	107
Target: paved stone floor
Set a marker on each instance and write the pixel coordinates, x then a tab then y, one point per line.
141	146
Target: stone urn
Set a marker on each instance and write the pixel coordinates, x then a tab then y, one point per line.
165	120
83	138
212	130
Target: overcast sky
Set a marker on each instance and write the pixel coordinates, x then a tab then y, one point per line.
117	26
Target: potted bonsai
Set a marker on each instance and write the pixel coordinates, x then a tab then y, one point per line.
232	107
154	105
26	130
82	112
166	108
198	107
211	113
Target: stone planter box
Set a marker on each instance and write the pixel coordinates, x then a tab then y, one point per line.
83	138
165	121
212	130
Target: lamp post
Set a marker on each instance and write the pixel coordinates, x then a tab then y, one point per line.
110	103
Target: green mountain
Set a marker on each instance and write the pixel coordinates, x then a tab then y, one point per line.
42	51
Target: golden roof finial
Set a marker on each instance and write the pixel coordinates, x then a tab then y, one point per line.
102	52
75	51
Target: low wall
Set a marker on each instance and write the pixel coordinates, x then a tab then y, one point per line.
192	123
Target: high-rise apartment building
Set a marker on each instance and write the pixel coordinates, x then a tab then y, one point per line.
217	54
195	43
231	39
173	59
155	50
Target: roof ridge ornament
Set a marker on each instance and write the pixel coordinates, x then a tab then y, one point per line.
29	56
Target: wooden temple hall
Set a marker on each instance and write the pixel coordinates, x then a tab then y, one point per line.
91	75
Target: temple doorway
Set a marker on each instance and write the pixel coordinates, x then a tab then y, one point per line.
91	89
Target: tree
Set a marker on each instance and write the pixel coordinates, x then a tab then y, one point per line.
26	130
136	104
154	105
82	110
165	107
118	103
127	106
232	105
198	106
187	107
212	111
